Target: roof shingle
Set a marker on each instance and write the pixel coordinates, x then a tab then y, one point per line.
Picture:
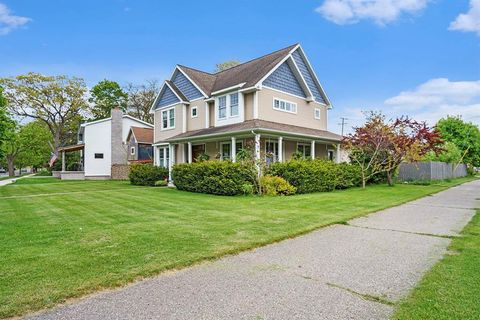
143	135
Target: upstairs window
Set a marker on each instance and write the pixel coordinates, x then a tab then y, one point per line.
283	105
194	112
317	113
234	104
168	118
222	107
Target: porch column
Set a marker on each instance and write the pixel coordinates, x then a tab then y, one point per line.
171	150
337	158
233	149
257	146
313	149
257	153
189	152
280	149
63	160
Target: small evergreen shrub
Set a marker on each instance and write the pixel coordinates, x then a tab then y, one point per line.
214	177
44	173
274	186
316	175
161	183
146	174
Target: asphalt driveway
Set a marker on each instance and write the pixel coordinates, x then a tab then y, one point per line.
353	271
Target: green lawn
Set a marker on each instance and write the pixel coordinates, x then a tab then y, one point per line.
451	290
65	239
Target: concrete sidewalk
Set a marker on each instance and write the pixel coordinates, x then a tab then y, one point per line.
354	271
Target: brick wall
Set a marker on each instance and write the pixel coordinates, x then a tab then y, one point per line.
120	171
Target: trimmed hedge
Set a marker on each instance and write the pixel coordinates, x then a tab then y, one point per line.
276	186
214	177
146	174
317	175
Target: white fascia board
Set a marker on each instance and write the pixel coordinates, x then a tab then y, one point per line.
137	120
193	82
259	83
228	89
315	78
298	74
95	122
152	108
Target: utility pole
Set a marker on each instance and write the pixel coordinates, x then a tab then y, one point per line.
343	123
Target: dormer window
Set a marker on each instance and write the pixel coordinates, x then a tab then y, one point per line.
234	104
222	107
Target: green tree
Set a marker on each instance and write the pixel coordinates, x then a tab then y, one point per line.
141	98
105	96
27	145
226	65
450	153
465	135
5	121
57	101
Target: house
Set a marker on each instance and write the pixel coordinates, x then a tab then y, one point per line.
140	142
275	102
102	145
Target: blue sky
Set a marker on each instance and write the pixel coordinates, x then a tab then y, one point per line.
415	57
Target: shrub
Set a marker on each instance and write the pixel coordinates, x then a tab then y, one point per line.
273	186
146	174
248	189
161	183
44	173
214	177
316	175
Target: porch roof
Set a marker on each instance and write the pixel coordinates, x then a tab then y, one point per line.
258	126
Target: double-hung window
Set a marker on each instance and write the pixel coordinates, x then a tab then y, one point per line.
317	113
168	118
234	104
164	156
222	107
225	151
305	150
283	105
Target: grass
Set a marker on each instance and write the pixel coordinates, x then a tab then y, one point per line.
451	289
60	239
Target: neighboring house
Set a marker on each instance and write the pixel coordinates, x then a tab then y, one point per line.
102	143
274	102
140	142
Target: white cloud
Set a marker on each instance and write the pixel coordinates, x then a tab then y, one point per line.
380	11
8	22
438	98
470	21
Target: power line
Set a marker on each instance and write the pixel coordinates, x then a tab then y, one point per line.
343	123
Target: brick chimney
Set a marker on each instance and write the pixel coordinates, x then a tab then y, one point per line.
119	153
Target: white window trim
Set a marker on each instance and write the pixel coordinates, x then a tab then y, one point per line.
319	113
132	151
221	147
285	101
196	111
163	150
333	152
168	119
228	106
305	145
265	148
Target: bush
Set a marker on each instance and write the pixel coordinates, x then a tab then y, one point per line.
317	175
214	177
274	186
146	174
44	173
161	183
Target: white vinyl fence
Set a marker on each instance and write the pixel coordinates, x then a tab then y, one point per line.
432	170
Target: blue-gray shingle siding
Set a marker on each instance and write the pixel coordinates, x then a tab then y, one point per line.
302	65
283	79
186	87
167	97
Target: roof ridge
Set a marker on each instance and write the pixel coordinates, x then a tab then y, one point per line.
195	69
258	58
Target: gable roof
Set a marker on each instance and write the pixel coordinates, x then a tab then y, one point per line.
252	73
142	135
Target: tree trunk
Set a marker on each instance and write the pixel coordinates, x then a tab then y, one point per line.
363	180
390	178
11	165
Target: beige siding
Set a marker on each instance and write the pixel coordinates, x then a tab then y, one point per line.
248	101
305	111
198	122
161	135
